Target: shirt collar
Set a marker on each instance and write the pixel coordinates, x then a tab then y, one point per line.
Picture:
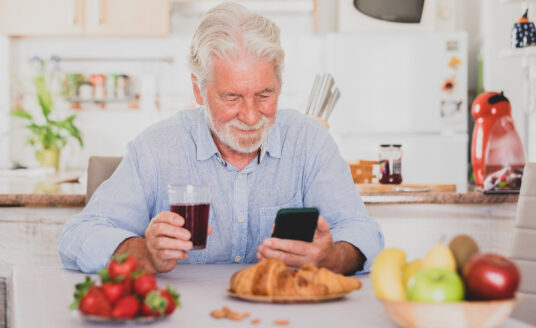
206	147
273	143
203	138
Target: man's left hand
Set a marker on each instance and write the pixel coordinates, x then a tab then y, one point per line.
296	253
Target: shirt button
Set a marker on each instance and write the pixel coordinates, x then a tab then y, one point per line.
240	218
240	176
237	258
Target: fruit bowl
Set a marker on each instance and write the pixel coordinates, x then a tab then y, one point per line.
449	315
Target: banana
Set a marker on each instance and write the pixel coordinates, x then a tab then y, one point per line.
386	274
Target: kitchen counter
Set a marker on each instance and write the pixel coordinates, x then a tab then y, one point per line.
46	192
77	199
473	197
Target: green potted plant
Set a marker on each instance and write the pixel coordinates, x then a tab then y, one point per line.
48	136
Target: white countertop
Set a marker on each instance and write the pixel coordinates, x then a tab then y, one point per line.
41	296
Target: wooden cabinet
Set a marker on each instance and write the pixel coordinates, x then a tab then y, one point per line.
34	17
84	17
126	17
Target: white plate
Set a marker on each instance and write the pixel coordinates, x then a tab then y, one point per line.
286	299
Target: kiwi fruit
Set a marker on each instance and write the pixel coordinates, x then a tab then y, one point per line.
462	247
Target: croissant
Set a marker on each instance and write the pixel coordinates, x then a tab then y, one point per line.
272	278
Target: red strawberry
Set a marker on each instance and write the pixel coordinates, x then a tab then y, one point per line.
154	305
90	299
127	283
144	283
172	298
80	290
126	307
95	303
113	291
122	266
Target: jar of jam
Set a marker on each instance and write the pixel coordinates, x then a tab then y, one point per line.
390	164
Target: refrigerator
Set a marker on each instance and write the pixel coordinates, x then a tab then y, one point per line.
407	88
4	103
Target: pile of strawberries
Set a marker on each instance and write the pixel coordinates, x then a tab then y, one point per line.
126	292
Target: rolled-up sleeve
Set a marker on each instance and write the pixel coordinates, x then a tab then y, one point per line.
330	187
119	209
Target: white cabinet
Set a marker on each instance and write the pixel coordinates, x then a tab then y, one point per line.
30	235
84	17
416	228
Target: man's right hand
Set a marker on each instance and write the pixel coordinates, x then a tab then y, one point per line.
167	241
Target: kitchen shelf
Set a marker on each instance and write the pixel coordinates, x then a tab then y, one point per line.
518	52
101	100
99	112
168	60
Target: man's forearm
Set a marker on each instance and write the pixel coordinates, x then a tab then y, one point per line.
137	247
345	258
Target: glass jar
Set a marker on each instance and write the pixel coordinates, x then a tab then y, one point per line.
390	164
85	91
111	80
98	81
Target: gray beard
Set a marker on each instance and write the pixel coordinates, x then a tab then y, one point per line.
237	143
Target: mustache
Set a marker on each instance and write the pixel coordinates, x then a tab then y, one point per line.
236	123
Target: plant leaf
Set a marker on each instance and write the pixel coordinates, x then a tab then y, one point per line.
43	95
69	126
22	114
51	134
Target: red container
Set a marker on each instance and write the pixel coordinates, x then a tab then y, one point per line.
496	143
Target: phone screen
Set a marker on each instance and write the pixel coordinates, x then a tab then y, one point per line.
296	223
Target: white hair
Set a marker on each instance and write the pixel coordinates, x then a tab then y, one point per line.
226	29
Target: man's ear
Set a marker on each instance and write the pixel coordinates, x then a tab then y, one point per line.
197	91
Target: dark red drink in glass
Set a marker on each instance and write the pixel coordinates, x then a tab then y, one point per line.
390	164
388	177
196	221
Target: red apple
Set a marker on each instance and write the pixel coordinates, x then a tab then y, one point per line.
490	276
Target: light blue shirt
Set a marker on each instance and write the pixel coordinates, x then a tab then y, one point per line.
300	166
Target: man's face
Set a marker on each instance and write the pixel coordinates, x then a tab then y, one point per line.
241	101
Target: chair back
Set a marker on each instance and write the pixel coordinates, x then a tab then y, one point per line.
523	248
99	169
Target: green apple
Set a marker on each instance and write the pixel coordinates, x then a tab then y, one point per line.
435	285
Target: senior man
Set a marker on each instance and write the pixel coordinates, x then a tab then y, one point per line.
255	159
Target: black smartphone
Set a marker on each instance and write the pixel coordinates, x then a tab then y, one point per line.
296	223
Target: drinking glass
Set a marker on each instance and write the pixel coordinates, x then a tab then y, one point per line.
192	202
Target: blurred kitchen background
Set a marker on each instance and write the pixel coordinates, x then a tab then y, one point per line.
120	65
